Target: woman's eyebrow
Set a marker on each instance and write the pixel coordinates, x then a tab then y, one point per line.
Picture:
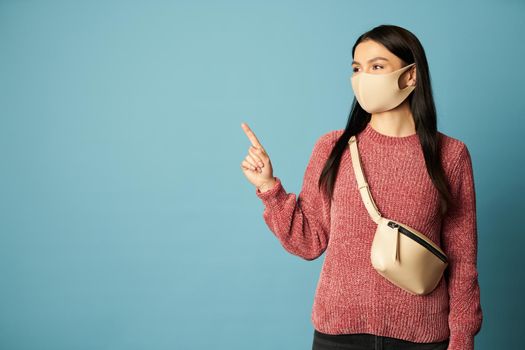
372	59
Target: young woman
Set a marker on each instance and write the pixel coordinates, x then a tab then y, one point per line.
416	175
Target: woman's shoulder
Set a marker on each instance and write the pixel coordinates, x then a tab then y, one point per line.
330	137
452	151
325	143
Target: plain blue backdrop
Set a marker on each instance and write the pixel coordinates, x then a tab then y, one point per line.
125	219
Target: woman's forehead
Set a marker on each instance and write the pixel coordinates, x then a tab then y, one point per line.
369	51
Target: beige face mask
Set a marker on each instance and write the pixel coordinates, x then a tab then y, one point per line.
380	92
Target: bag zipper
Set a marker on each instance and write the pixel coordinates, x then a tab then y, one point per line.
418	239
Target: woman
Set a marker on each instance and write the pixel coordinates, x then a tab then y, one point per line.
416	175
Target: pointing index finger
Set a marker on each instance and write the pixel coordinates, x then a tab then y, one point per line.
251	135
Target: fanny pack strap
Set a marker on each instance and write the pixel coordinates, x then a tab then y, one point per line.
362	185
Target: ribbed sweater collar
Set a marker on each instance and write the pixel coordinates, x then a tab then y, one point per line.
370	133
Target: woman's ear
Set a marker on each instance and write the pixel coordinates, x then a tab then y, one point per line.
408	78
412	76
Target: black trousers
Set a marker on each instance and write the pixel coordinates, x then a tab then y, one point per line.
365	341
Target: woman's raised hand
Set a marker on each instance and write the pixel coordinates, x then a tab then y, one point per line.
257	166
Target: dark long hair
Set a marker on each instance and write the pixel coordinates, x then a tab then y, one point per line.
407	47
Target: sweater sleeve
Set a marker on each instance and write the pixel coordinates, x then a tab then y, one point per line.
301	223
459	237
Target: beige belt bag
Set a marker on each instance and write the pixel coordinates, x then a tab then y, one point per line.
401	254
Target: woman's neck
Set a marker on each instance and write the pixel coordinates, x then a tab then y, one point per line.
397	122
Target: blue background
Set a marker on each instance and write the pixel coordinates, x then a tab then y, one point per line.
125	219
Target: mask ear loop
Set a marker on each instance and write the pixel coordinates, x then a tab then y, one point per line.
403	72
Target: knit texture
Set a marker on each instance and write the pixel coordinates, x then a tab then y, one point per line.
351	297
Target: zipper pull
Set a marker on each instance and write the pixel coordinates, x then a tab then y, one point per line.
393	224
396	248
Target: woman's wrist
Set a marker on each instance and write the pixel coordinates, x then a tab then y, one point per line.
267	185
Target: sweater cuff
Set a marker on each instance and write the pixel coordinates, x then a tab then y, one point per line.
274	195
461	341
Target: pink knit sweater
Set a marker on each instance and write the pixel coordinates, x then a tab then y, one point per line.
351	297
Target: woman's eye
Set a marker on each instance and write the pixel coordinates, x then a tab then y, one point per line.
355	69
